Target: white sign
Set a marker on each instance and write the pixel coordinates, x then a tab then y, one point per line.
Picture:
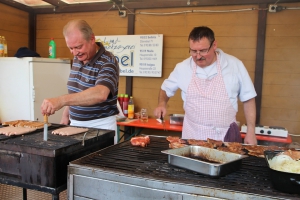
138	55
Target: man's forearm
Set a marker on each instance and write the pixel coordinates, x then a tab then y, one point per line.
87	97
163	98
250	115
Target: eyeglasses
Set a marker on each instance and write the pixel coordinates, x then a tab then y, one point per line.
202	52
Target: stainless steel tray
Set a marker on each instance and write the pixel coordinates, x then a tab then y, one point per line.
176	119
185	158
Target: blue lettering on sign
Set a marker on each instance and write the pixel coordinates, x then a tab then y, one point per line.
125	60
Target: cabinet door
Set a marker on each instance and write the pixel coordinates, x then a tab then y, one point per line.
49	80
15	101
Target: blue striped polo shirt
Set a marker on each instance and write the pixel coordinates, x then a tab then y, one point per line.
103	69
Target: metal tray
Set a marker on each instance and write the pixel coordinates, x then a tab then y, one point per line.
176	119
185	158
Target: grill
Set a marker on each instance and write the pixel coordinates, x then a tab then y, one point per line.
138	172
31	163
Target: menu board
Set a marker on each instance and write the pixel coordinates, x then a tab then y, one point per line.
138	55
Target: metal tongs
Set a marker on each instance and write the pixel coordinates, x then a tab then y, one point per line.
163	122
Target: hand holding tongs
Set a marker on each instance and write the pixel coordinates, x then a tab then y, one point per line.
163	122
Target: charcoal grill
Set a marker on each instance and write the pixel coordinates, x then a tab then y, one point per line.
125	171
31	163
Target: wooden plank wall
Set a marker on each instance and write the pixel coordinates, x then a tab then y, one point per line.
14	27
235	33
281	83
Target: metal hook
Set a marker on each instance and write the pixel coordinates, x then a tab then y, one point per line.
84	138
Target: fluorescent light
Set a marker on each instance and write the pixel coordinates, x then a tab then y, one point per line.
83	1
33	2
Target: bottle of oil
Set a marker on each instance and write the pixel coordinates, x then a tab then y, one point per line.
5	47
130	108
1	47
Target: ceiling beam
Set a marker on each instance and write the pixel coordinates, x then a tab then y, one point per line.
86	7
62	7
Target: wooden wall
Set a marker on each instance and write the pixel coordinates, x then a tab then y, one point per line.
14	27
281	83
236	34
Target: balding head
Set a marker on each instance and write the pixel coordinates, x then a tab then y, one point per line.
80	25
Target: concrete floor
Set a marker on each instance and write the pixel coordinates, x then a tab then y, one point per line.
8	192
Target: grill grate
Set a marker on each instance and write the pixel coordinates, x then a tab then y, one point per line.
253	177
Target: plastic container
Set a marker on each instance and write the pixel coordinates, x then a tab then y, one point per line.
125	105
131	108
144	115
52	49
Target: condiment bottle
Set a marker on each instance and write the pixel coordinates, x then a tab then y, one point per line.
121	99
130	108
52	49
125	105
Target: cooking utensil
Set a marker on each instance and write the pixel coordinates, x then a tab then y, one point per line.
205	160
163	122
45	127
283	181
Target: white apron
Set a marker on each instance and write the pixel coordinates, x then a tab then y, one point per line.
208	111
108	123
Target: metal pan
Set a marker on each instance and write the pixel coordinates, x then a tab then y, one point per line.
283	181
204	160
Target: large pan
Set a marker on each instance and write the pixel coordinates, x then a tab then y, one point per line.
283	181
205	160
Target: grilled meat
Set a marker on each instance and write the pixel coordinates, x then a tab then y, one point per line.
140	141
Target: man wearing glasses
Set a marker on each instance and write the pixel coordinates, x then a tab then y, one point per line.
211	82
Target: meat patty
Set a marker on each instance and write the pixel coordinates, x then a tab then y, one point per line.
140	141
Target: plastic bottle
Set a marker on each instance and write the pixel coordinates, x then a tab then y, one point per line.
1	47
52	49
125	105
130	108
121	99
5	47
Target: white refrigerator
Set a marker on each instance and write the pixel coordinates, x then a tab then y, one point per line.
26	82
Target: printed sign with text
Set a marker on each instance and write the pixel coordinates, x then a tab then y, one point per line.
138	55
